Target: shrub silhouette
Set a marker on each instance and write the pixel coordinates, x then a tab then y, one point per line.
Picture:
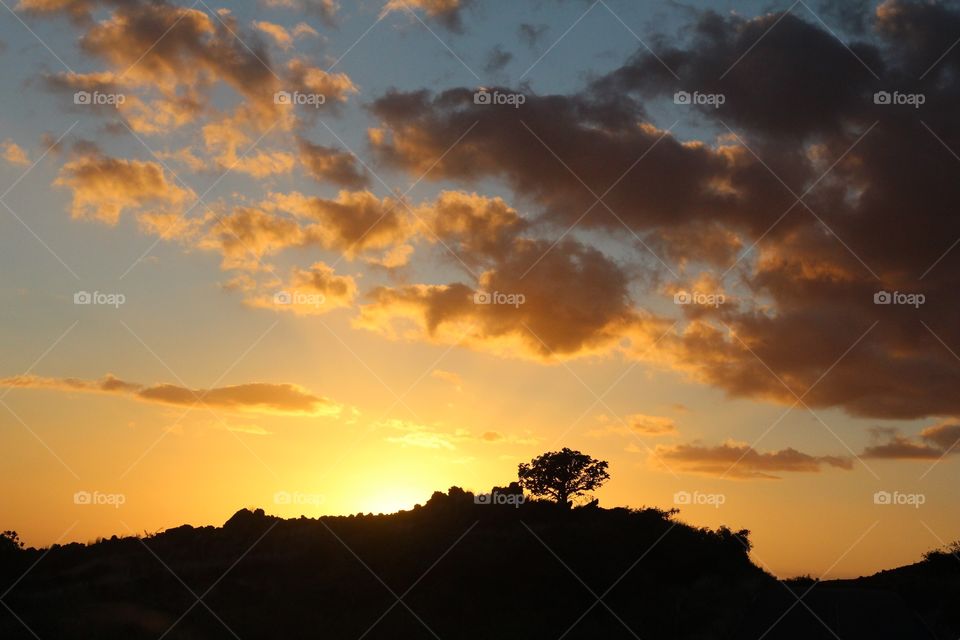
562	475
9	543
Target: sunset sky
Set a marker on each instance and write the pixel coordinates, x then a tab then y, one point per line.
352	253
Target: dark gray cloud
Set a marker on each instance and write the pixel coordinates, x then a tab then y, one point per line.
878	214
497	59
530	34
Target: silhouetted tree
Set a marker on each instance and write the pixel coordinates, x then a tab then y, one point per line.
513	489
562	475
10	542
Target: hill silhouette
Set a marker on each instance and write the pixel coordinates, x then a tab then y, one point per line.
456	567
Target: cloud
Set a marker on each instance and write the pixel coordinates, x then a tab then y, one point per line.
413	434
312	291
800	278
14	153
448	376
934	443
276	32
184	47
229	145
326	9
576	304
103	187
333	165
497	59
393	258
259	397
353	222
250	429
741	461
651	425
422	439
248	234
446	12
475	228
531	34
168	60
595	135
77	9
302	30
335	87
635	424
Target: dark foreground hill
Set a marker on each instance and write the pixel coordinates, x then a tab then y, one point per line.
451	569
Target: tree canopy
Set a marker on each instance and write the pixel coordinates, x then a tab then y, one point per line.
562	475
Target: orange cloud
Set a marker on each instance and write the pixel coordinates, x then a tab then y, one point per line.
536	301
637	423
103	187
75	8
330	164
448	376
741	461
326	9
447	12
934	443
260	397
651	425
14	153
312	291
476	228
353	222
278	33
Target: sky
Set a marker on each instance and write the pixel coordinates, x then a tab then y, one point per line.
326	258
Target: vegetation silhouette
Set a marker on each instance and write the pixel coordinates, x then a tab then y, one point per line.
461	566
562	475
